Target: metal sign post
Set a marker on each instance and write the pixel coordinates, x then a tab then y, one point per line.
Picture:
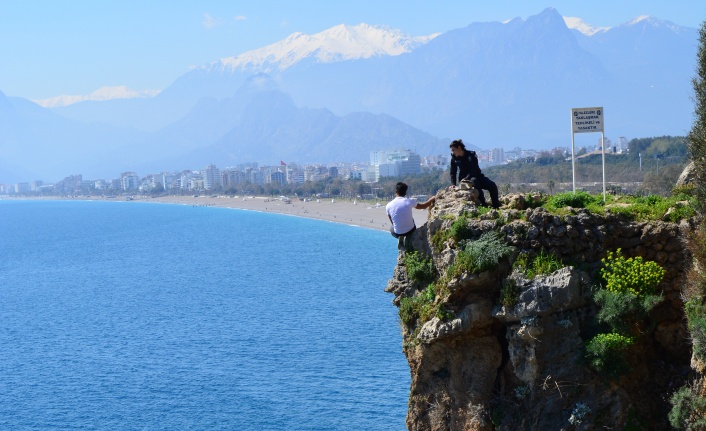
587	120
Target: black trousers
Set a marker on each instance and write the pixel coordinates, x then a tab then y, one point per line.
483	182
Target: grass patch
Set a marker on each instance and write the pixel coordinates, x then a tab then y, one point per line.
509	294
539	264
573	200
635	208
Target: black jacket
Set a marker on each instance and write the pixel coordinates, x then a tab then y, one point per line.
466	166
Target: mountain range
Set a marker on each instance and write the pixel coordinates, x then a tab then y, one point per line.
338	94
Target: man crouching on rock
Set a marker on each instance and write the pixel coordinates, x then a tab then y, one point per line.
465	162
399	211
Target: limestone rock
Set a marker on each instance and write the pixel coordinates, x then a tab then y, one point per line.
561	290
687	175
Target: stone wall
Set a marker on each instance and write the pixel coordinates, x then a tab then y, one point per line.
489	367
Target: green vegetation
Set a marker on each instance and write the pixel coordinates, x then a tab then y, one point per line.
419	267
688	408
422	307
605	353
695	311
460	230
636	208
689	403
539	264
418	306
631	275
509	294
575	200
625	299
480	255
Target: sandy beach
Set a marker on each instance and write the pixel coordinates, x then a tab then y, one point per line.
354	213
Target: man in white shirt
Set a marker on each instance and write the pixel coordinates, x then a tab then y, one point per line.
399	211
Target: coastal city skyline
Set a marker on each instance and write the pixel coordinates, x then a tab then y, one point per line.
401	162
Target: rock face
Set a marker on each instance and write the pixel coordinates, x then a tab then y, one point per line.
488	366
687	176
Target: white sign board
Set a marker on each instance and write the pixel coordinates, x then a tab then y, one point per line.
586	120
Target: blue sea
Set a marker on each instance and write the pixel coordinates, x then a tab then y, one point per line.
137	316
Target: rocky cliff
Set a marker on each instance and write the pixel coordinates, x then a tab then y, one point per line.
493	347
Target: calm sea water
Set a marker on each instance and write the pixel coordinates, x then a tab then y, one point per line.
133	316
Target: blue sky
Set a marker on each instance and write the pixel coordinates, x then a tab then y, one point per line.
71	47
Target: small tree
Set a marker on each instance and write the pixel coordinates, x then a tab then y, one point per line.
696	140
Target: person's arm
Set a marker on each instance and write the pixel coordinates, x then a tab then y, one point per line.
426	204
468	158
453	170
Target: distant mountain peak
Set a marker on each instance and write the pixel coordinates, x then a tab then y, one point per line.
579	25
650	21
339	43
640	19
103	93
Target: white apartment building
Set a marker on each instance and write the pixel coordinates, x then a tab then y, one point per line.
393	163
212	178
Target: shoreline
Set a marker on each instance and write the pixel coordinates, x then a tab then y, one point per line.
348	212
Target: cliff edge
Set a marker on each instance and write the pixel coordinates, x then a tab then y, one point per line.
495	343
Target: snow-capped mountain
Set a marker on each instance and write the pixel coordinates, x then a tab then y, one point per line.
579	25
339	43
102	94
492	84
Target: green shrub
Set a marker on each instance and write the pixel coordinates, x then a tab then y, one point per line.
509	294
418	306
688	408
480	255
606	353
622	310
683	192
573	200
542	263
419	267
460	229
531	202
424	306
630	275
695	312
439	238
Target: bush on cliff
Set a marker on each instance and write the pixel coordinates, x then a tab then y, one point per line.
480	255
688	408
626	297
605	353
419	267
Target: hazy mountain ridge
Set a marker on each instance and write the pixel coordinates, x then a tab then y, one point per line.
492	84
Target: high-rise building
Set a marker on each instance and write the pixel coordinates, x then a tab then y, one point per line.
394	163
212	178
129	181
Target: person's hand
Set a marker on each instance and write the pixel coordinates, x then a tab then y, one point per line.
451	187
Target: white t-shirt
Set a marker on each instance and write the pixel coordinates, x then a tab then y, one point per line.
400	211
